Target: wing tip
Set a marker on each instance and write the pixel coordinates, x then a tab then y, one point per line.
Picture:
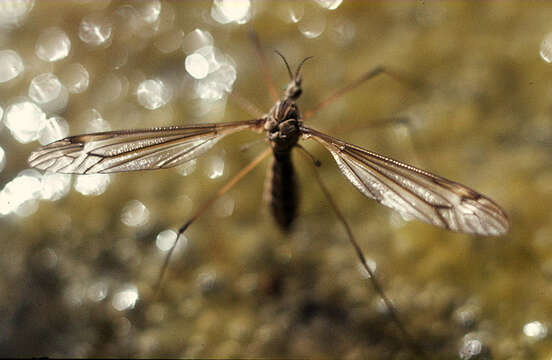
497	219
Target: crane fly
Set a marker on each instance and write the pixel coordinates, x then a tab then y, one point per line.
414	193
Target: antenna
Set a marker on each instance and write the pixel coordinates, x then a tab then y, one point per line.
287	65
298	73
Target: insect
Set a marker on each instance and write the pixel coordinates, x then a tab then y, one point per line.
414	193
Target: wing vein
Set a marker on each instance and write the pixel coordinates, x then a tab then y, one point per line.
131	150
413	192
397	193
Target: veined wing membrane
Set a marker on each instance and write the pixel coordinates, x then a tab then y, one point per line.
414	193
131	150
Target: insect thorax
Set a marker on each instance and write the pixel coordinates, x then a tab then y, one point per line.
282	125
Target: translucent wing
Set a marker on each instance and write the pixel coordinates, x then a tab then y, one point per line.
131	150
414	193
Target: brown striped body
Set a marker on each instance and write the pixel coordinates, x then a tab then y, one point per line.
282	191
282	128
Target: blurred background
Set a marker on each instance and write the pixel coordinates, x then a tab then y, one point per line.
81	255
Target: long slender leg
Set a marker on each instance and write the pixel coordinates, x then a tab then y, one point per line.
355	83
393	312
247	105
245	147
375	123
260	53
405	121
243	172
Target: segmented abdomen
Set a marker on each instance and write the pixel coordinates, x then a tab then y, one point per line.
282	191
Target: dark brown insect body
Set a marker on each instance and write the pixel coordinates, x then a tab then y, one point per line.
283	128
283	132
